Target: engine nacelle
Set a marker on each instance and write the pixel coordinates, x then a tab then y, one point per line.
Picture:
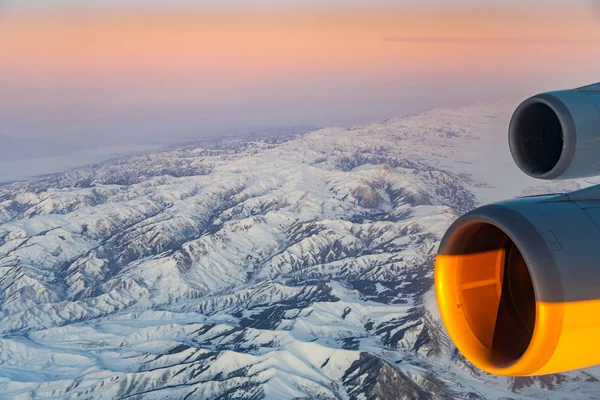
518	284
556	135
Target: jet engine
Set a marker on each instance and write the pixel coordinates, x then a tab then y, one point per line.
556	135
518	282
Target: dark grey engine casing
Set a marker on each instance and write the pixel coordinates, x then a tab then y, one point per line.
558	236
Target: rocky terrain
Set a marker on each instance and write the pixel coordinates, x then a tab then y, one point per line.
292	267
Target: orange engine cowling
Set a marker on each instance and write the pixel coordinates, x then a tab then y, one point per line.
518	285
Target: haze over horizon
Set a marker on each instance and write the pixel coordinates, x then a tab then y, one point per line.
149	73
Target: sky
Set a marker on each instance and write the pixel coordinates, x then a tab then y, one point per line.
111	73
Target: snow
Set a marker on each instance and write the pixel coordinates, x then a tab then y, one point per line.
261	267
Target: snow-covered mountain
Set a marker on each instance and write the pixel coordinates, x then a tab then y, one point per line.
280	268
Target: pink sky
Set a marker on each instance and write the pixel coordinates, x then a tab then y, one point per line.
147	72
